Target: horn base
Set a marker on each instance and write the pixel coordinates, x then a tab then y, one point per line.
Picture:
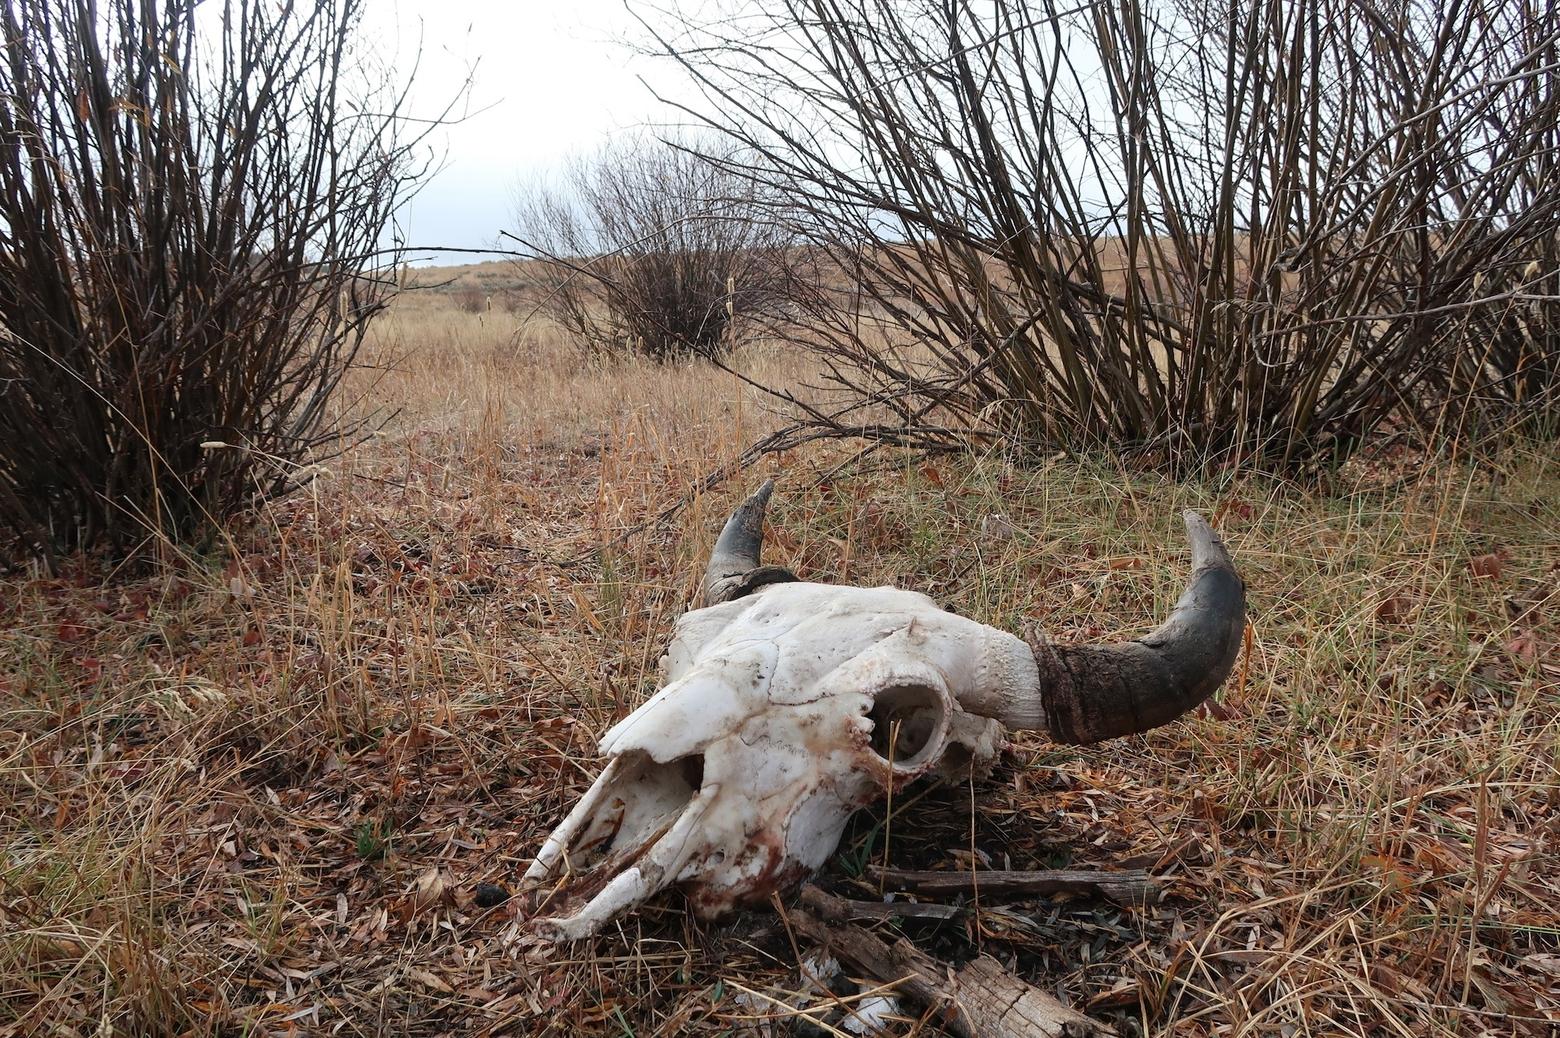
1094	692
731	588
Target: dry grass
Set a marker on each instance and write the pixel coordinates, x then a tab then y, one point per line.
256	793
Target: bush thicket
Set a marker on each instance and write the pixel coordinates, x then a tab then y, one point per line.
646	247
1257	232
195	205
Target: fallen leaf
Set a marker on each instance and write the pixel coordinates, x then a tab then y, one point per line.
429	889
1524	647
1239	509
1218	710
1486	566
1394	608
1124	992
1548	963
1392	877
429	980
997	527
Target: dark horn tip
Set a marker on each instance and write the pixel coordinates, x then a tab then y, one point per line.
1207	546
747	522
759	500
735	568
1095	692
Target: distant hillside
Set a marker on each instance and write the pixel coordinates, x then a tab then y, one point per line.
492	276
496	284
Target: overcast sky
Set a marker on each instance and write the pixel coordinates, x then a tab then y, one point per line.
551	80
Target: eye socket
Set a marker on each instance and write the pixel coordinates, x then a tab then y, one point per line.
909	725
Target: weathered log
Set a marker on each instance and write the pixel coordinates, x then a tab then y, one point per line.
980	999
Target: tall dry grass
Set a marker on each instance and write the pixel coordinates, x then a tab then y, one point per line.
258	793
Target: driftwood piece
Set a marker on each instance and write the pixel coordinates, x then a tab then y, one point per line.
979	1000
1132	888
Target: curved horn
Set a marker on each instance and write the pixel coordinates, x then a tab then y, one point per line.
1092	692
734	568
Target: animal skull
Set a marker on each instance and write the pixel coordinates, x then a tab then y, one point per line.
788	705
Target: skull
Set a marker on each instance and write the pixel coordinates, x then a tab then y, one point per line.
788	705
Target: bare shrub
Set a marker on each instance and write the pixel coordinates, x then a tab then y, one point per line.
1253	233
1503	373
649	248
193	220
471	299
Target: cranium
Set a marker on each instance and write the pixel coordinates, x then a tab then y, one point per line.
788	705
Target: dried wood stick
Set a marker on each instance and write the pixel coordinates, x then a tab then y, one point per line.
872	911
1131	887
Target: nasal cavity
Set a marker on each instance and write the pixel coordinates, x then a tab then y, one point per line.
909	725
693	771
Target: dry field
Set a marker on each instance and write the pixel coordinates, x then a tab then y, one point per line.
256	793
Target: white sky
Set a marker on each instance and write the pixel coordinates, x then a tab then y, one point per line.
551	80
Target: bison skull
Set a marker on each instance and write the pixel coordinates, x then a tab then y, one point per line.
789	705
